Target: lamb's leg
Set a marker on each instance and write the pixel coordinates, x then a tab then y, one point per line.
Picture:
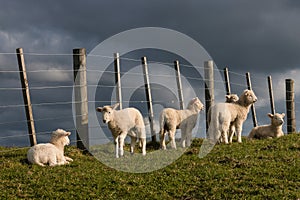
60	159
142	137
121	143
231	132
132	144
117	147
183	136
53	161
143	141
224	131
40	164
172	137
68	159
188	134
239	128
188	138
162	135
225	137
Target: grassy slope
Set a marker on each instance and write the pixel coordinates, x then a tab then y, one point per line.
268	169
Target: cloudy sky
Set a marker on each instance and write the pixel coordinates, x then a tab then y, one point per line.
261	37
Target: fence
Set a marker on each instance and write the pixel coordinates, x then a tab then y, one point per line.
81	101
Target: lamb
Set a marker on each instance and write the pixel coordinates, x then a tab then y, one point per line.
51	153
172	119
230	98
273	130
230	117
122	122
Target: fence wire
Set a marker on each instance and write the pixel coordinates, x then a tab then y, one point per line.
240	84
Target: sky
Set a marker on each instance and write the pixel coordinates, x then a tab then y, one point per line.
260	37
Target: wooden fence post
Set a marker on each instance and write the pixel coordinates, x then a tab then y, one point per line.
179	84
148	98
26	96
81	98
227	82
209	87
252	106
271	95
290	106
118	79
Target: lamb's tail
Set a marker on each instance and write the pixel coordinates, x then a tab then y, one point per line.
252	134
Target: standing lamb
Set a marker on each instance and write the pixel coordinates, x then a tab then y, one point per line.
225	115
122	122
273	130
230	98
172	119
51	153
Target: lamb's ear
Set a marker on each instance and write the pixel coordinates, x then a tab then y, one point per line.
270	115
283	115
67	133
195	99
227	96
99	109
247	92
115	106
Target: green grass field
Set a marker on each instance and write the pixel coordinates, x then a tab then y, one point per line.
258	169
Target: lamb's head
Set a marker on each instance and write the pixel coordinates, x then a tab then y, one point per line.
107	112
276	119
231	98
195	104
60	137
247	98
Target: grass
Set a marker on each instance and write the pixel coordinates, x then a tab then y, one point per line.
258	169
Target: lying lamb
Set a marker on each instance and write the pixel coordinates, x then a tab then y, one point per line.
273	130
225	115
122	122
172	119
51	153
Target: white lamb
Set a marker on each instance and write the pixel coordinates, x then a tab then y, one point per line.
51	153
172	119
230	98
226	115
122	122
273	130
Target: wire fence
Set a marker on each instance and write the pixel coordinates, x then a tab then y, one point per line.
57	90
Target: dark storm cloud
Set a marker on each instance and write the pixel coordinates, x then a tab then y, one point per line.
257	36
